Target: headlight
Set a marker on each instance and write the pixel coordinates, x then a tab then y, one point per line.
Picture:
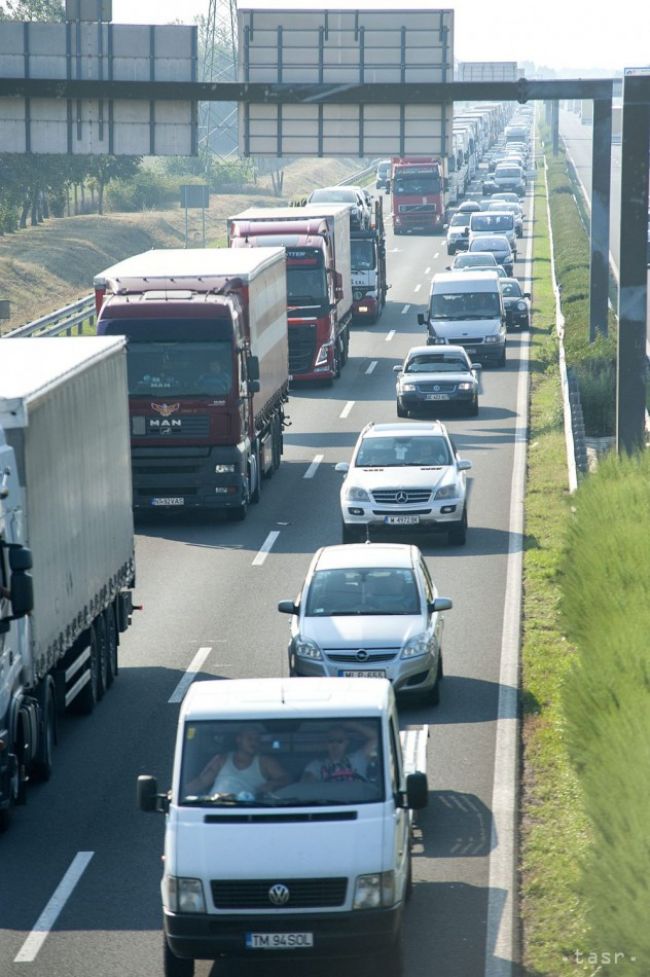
521	306
492	339
323	354
222	469
415	647
307	649
410	387
465	386
373	891
446	492
355	494
185	895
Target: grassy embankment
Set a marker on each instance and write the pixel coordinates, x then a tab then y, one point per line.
553	825
43	268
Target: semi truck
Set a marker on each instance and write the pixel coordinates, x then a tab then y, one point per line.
368	256
66	542
294	855
417	187
207	368
319	281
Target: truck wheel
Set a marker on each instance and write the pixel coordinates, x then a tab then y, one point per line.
102	656
254	486
111	645
41	768
176	966
89	695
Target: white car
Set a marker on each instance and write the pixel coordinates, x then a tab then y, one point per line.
404	476
369	611
457	233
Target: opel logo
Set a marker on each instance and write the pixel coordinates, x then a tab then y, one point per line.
362	655
401	497
279	894
436	387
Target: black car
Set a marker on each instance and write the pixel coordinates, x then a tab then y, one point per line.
382	176
516	304
489	187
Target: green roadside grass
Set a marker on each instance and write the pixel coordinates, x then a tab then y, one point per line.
553	828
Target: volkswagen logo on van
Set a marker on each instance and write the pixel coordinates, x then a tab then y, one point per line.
279	894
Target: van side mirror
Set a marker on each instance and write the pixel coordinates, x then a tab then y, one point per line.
421	320
22	593
417	791
148	797
288	607
20	558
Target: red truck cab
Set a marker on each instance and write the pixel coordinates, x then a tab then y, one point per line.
417	194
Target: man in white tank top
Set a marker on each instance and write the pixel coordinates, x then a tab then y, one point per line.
241	771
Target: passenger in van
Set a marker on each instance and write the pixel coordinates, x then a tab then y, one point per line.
338	763
243	770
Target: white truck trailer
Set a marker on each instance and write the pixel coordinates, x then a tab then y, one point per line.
66	542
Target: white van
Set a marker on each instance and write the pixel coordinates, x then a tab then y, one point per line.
485	222
288	823
466	309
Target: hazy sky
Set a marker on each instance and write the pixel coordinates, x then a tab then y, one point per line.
575	34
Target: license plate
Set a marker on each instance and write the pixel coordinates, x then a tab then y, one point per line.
362	673
470	349
279	941
437	397
169	500
401	520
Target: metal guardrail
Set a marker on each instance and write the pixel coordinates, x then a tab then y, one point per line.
62	322
361	175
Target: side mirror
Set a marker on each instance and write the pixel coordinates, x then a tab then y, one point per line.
439	604
20	558
421	320
148	797
254	386
253	367
22	593
417	791
445	227
476	366
397	369
464	465
342	466
526	295
287	607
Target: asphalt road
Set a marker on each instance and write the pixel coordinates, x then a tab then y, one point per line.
200	589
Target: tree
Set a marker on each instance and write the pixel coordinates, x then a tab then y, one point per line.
32	10
103	169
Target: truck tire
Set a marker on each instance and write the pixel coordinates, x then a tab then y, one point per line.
277	443
254	478
102	655
111	645
87	699
176	966
41	769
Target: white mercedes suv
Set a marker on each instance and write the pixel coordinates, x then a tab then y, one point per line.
405	476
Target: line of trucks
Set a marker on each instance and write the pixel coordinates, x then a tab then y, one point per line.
179	402
423	188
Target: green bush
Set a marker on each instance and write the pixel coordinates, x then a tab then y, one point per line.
149	189
606	608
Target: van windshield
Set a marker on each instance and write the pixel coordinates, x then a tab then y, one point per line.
281	763
465	305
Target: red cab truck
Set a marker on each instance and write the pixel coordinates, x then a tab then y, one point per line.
319	284
207	372
418	194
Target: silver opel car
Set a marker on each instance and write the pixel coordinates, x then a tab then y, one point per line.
404	476
369	611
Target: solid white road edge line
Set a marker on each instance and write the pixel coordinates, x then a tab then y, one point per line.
346	410
49	916
266	548
390	335
371	367
192	671
313	468
500	949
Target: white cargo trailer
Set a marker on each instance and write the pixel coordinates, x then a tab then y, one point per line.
66	500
